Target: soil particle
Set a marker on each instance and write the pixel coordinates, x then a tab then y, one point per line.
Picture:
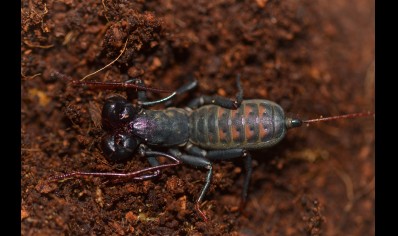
312	57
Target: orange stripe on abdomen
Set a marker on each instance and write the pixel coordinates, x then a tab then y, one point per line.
262	110
252	122
237	128
224	131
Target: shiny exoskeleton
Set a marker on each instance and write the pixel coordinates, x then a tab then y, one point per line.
255	124
209	129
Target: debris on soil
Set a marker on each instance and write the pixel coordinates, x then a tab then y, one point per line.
312	57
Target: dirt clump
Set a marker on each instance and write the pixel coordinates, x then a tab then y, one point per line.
312	57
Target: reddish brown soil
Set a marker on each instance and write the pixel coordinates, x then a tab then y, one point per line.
312	57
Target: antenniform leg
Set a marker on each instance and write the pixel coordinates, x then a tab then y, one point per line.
141	94
143	101
109	85
135	175
117	85
183	89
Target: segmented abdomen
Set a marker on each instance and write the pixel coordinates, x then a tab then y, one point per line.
255	124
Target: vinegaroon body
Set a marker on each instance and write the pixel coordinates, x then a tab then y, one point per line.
211	128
